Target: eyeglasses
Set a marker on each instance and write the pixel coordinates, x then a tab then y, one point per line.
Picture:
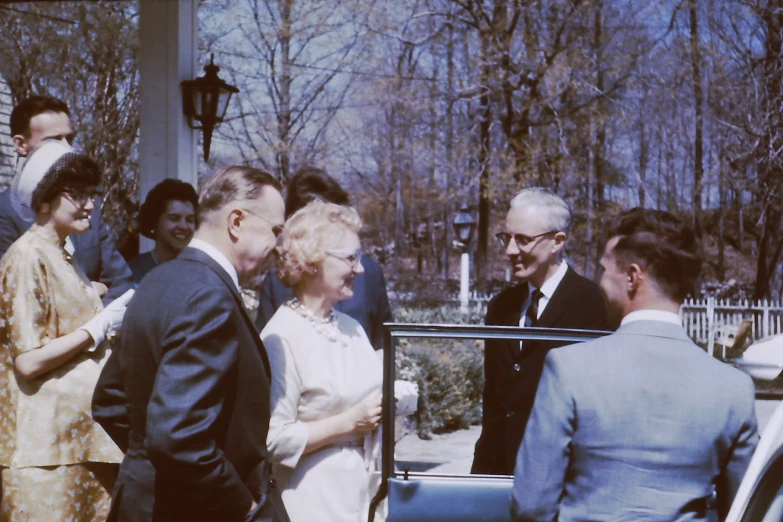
521	240
352	258
78	196
276	229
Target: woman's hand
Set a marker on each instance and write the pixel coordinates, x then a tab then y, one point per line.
100	288
367	414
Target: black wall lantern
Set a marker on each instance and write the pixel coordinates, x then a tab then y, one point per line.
205	101
464	225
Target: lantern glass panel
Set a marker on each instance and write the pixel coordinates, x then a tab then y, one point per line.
463	232
225	97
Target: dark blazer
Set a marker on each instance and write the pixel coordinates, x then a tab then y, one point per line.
511	376
369	304
194	376
638	425
94	250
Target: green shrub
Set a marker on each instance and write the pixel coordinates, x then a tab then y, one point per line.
449	372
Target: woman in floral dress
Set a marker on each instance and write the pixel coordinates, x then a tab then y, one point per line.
57	463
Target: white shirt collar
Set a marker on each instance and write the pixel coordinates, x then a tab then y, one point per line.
219	258
550	285
651	315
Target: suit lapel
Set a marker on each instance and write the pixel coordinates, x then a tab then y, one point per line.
200	256
560	301
511	316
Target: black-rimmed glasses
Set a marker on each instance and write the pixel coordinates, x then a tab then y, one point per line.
80	196
521	240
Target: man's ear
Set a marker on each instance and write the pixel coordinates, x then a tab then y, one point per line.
233	223
559	243
635	276
20	144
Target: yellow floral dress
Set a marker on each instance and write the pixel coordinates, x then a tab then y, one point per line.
50	447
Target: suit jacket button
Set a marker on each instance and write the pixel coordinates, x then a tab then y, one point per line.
509	414
516	367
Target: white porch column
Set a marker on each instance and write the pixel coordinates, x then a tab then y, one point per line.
167	146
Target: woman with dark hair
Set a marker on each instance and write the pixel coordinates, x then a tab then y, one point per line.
168	216
57	463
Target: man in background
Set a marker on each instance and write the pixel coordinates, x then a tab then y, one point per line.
548	294
40	118
641	424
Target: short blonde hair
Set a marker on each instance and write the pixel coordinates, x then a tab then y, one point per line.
306	234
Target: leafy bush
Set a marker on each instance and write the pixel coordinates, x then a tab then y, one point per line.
449	372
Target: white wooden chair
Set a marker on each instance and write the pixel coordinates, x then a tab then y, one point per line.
731	336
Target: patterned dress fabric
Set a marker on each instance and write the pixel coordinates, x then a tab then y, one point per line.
46	428
313	378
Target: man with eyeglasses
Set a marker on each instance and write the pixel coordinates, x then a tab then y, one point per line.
40	118
549	294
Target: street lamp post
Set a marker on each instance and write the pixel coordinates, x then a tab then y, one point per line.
463	226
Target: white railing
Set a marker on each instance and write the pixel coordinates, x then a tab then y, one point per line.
704	317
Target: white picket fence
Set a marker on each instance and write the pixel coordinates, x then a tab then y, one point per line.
704	318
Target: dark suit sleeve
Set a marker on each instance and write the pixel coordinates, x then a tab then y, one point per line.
743	445
488	452
543	458
268	301
196	381
109	404
10	225
382	313
114	271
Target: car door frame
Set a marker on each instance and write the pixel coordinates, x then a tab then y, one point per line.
393	332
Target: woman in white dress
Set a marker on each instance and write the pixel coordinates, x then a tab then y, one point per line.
326	377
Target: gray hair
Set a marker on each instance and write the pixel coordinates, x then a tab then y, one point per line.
556	216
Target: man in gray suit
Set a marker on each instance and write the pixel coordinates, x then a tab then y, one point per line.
641	424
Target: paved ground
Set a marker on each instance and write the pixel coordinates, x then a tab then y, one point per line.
453	452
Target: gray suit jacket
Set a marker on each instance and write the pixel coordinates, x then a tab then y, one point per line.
638	425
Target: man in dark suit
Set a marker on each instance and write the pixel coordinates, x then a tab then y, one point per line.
549	294
33	120
193	371
641	424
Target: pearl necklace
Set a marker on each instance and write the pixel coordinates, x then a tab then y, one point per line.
327	327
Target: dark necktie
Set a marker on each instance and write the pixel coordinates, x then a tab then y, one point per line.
531	315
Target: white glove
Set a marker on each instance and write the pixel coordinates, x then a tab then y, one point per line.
108	320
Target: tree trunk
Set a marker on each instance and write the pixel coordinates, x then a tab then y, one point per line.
485	115
698	98
447	207
770	171
721	216
600	135
284	114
